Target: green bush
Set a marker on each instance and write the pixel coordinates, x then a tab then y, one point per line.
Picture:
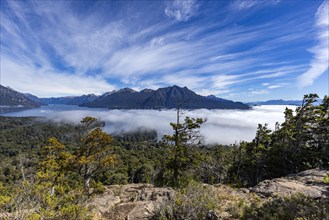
117	179
297	206
326	179
191	202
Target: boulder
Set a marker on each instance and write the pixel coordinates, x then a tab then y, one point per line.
131	201
142	201
309	183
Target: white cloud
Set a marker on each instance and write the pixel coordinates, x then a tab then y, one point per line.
214	91
82	44
243	4
182	10
258	92
320	61
187	80
322	14
47	82
240	5
223	81
275	86
222	126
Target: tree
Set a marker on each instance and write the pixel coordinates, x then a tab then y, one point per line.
180	157
323	131
281	156
57	161
57	189
250	166
260	150
301	142
95	153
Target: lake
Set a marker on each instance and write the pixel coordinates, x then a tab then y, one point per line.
222	126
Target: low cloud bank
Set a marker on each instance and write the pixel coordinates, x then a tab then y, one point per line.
222	126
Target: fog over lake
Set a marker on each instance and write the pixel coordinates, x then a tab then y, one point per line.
222	126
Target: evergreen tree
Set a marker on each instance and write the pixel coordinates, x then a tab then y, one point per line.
180	157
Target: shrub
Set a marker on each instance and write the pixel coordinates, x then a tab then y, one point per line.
297	206
192	202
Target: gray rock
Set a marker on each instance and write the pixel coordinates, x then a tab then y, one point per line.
309	183
132	201
243	190
211	215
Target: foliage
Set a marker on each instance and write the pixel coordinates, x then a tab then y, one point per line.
94	155
197	200
21	141
299	143
35	200
179	157
326	179
57	188
294	207
191	202
60	187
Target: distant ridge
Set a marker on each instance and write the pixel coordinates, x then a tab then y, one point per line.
277	102
69	100
162	98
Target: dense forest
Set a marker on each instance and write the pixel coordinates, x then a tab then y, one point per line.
53	169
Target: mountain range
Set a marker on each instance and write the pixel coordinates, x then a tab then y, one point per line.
277	102
162	98
69	100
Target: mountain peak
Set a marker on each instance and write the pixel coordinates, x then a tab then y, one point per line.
147	91
109	93
211	96
8	87
126	90
178	87
162	98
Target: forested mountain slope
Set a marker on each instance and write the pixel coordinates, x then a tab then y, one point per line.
11	100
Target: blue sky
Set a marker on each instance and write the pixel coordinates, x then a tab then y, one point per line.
243	50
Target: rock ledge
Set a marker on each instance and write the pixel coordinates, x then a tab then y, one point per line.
308	182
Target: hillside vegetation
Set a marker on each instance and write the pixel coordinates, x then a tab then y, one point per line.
53	170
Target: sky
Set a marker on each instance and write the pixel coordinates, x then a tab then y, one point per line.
243	50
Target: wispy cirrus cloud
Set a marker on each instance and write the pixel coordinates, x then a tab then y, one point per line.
182	10
240	5
50	82
274	85
320	61
39	60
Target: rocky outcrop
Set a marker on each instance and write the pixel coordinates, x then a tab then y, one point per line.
309	182
132	201
143	201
